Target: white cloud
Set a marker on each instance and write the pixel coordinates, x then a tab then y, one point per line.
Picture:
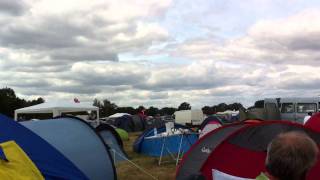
291	40
67	49
72	31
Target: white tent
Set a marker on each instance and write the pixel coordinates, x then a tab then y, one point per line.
57	108
116	115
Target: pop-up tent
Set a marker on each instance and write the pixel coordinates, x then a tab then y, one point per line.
124	122
78	142
192	161
242	154
153	143
238	150
314	122
24	155
209	124
113	140
56	108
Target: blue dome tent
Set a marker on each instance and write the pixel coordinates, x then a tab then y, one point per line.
78	142
35	151
113	140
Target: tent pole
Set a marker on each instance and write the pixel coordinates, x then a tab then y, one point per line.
178	158
98	117
163	142
114	156
15	116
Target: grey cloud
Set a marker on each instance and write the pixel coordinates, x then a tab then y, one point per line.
308	41
92	79
13	7
26	83
78	54
75	36
305	84
159	95
76	89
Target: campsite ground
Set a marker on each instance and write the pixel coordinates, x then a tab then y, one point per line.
125	170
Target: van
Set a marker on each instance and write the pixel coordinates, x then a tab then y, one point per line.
294	109
189	117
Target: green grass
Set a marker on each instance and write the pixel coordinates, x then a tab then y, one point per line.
126	170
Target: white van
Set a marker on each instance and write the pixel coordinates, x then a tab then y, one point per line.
294	109
191	117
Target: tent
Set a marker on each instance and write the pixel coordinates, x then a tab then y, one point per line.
26	155
78	142
209	119
209	124
123	134
124	122
116	115
113	140
138	122
314	122
199	152
56	108
242	153
152	143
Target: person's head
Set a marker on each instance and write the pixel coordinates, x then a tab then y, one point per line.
290	156
310	113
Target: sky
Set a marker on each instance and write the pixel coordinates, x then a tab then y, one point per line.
160	52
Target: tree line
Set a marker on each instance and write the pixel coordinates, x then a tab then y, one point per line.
108	108
10	102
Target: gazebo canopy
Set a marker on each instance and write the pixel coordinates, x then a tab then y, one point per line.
57	108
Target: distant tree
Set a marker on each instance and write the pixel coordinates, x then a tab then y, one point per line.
184	106
259	104
221	107
129	110
35	102
235	106
152	111
109	108
140	109
207	110
98	103
10	102
167	111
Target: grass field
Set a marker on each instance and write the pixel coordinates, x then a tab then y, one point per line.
126	171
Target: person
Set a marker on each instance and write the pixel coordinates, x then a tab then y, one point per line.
307	117
289	157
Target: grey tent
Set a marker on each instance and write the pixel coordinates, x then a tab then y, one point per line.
113	140
138	123
79	142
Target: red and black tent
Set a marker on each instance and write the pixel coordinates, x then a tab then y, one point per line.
192	161
314	122
242	152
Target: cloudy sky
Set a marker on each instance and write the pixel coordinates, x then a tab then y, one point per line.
160	52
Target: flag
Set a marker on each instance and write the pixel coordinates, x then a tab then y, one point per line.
76	100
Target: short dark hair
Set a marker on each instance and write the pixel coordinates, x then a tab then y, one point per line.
290	155
310	113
